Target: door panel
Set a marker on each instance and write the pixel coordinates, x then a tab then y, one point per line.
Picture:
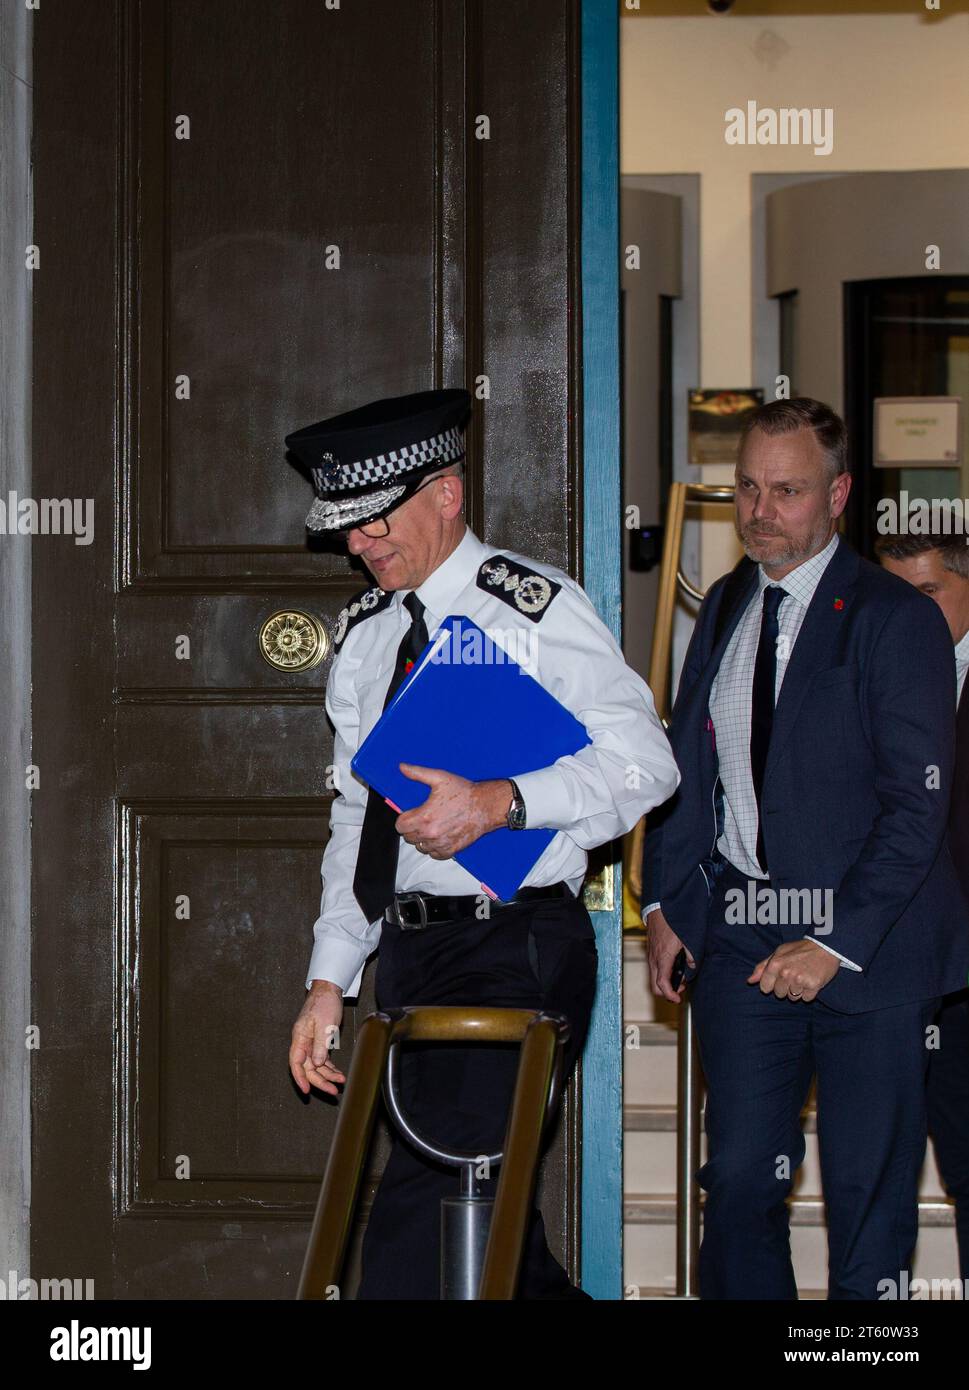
330	231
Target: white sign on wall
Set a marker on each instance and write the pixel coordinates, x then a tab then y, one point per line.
917	431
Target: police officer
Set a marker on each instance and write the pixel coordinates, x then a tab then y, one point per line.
390	477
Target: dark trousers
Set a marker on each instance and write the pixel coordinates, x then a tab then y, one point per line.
948	1097
759	1054
537	955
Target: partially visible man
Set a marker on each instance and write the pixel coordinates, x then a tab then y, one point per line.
803	866
938	565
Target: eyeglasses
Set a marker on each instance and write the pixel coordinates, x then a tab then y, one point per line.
382	520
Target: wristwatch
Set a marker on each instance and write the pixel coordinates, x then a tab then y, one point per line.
516	811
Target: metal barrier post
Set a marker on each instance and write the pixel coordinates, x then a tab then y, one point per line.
483	1251
688	1115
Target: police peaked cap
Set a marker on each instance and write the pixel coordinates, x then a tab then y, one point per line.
367	461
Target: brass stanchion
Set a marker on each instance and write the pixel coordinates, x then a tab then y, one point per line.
672	581
482	1241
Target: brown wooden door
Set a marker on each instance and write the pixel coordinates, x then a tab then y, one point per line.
250	214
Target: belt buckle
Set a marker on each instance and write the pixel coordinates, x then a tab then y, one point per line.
408	898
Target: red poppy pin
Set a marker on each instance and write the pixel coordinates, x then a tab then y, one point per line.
839	603
409	665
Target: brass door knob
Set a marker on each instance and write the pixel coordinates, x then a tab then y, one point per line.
293	641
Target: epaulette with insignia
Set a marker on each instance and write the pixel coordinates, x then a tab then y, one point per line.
360	606
520	587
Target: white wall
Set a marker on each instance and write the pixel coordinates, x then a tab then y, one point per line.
899	89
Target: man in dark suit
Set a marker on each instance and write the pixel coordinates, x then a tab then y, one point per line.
803	867
938	565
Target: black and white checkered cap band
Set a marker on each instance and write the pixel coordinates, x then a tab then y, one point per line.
446	447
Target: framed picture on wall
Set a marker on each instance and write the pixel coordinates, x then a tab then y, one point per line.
715	421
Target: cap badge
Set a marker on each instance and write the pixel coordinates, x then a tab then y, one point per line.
331	469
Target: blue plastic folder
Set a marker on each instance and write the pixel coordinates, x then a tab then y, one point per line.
469	708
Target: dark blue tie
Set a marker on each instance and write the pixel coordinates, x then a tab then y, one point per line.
762	701
375	876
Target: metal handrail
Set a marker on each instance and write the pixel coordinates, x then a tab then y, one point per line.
542	1036
672	578
688	1093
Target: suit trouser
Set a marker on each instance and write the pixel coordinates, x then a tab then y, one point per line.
538	955
759	1054
948	1098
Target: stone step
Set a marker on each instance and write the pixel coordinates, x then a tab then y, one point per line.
642	1293
662	1118
638	999
657	1209
649	1062
649	1155
650	1033
650	1244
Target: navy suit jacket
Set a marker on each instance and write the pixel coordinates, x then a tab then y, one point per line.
856	789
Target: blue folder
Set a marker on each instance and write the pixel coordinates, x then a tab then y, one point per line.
469	708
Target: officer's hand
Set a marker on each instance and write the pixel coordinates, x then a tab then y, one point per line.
663	946
315	1032
456	813
796	971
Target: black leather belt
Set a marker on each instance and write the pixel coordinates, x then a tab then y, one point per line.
414	911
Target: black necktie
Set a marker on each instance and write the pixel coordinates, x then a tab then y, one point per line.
375	877
762	702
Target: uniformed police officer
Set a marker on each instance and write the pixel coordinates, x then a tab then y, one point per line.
390	476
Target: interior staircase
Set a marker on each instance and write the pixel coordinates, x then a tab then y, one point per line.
649	1179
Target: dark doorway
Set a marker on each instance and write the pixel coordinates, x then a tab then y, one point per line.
902	338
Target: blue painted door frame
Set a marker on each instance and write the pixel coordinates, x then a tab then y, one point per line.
602	1059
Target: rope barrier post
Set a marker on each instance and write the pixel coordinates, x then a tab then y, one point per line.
688	1088
481	1245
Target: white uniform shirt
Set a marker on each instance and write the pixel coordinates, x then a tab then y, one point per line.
589	797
